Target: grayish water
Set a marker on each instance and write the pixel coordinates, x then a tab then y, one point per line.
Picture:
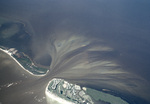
99	43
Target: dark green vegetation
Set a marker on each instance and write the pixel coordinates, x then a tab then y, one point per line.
78	95
56	91
26	62
69	92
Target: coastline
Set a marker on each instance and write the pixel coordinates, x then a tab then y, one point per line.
55	97
5	51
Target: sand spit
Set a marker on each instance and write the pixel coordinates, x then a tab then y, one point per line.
10	54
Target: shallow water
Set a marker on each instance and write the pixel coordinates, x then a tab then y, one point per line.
101	44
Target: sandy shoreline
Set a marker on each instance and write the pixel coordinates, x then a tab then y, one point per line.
7	52
55	98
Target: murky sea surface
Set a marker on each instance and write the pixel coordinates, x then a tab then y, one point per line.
100	44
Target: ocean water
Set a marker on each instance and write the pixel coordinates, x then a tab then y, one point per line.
100	44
